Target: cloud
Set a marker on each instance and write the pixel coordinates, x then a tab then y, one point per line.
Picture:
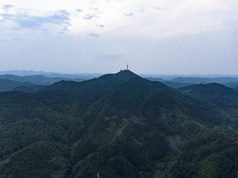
100	26
141	11
189	17
109	57
7	7
88	16
95	9
23	20
159	8
145	39
129	14
94	35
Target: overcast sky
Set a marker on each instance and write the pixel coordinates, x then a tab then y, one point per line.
101	36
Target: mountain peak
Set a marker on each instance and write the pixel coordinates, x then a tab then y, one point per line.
126	75
123	75
127	72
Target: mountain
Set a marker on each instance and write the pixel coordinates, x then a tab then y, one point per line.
228	81
28	89
170	83
175	84
117	125
27	83
34	79
6	85
22	73
197	80
179	82
220	96
209	89
214	93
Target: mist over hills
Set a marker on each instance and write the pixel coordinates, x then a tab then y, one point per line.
178	82
32	80
120	125
27	80
12	82
23	73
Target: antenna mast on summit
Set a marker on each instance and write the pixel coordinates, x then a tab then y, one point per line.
127	67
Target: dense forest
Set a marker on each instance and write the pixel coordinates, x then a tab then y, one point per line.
119	125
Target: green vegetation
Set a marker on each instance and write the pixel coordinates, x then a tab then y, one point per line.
7	85
119	125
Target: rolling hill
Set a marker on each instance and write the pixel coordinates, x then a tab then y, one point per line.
34	79
6	85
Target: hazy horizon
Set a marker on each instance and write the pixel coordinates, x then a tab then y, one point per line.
147	75
157	37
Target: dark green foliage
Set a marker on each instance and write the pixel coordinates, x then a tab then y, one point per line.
214	93
119	125
29	89
7	85
41	159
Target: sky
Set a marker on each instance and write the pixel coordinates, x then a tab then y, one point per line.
103	36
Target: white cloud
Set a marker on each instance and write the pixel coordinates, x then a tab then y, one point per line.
176	17
183	36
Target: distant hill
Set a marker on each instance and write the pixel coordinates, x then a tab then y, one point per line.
28	83
170	83
214	93
210	89
28	89
6	85
179	82
232	84
222	97
118	125
34	79
22	73
229	81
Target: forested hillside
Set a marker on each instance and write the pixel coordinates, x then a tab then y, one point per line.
119	125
